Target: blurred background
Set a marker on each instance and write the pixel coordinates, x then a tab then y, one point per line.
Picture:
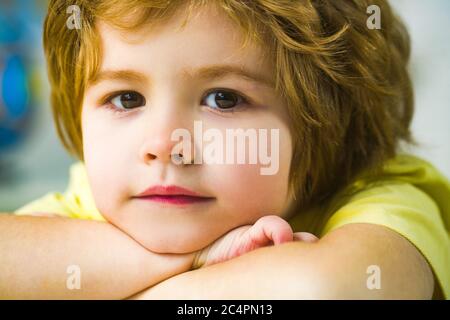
33	162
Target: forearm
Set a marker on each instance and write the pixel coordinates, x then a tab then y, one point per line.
336	267
266	273
36	253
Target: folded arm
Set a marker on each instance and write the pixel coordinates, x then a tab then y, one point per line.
341	265
43	252
38	255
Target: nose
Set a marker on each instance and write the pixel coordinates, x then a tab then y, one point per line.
158	144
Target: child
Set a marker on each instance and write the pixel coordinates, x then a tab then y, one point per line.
339	98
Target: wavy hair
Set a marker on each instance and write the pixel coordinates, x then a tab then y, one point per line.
346	87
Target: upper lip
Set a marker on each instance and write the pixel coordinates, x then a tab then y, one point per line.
171	190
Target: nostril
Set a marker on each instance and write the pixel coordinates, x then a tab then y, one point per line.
177	158
151	156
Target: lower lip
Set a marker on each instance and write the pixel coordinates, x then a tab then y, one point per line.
176	199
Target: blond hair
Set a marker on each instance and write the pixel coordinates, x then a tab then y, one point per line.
346	86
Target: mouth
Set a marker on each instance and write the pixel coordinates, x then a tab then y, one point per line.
176	199
173	195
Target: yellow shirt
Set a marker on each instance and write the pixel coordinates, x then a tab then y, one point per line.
409	196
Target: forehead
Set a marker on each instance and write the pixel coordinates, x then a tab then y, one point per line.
209	37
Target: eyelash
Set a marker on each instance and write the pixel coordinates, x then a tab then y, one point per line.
242	101
107	102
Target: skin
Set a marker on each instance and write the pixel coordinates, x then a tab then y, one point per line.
127	152
335	267
110	264
37	252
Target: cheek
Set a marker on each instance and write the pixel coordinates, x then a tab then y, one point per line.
103	152
102	138
245	194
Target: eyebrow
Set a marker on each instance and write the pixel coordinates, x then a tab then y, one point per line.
212	72
221	71
117	75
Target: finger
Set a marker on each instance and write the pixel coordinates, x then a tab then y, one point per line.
305	236
275	229
256	237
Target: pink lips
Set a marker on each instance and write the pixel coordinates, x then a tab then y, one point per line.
172	195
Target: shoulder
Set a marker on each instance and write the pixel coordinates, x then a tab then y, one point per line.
76	202
407	197
372	261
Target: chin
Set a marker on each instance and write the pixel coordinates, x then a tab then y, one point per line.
178	245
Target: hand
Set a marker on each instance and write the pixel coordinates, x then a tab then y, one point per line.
267	231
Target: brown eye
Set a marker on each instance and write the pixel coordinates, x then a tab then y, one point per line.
223	100
128	100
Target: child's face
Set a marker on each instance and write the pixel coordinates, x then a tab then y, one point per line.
127	152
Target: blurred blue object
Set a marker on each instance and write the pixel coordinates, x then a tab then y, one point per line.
15	87
14	100
16	70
